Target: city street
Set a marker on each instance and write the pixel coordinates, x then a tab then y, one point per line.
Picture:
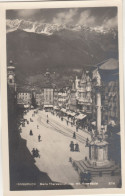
54	147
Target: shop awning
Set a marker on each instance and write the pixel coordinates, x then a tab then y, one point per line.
63	110
26	106
70	113
56	108
80	116
48	106
93	123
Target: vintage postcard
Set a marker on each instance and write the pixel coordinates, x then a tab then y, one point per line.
62	98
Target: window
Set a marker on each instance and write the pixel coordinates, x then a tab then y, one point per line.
10	80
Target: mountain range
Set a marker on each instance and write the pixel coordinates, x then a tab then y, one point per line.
49	29
37	47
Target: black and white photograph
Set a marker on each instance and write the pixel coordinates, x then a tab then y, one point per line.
63	98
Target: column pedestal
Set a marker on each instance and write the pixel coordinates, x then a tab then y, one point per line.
98	153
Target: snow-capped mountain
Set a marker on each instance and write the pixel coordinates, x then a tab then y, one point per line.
49	29
57	47
36	27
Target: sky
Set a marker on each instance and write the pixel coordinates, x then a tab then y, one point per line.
96	16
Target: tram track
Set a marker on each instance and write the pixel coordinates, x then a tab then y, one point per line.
54	127
68	129
70	134
57	126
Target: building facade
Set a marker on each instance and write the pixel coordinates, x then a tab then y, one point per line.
63	97
39	97
72	101
111	102
48	97
83	88
24	98
55	97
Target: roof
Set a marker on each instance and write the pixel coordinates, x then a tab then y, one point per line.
110	64
109	70
23	90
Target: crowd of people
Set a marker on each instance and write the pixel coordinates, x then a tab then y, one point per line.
83	124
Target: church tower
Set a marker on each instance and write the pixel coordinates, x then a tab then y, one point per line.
11	76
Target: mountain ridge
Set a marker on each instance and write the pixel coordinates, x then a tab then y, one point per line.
61	52
49	29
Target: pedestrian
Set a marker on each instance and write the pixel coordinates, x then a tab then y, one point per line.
74	135
87	142
72	146
33	152
37	153
39	137
77	147
67	122
47	121
77	128
37	126
31	133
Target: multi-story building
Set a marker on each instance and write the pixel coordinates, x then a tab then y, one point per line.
39	97
24	97
83	89
109	91
72	101
48	97
62	98
55	97
111	102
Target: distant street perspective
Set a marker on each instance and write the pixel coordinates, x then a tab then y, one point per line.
63	99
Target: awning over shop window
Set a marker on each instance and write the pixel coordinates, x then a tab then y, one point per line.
26	106
48	106
70	113
80	116
93	123
63	110
56	108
